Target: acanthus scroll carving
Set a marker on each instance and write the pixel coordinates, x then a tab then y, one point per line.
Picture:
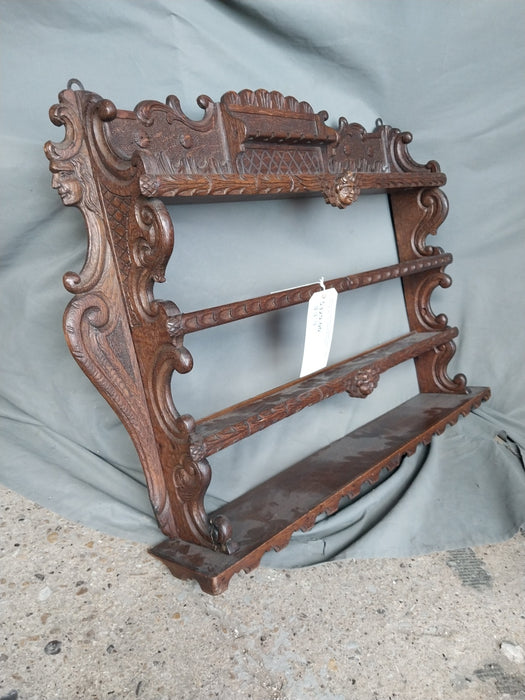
434	204
182	358
150	247
400	157
73	179
99	341
191	478
441	356
187	472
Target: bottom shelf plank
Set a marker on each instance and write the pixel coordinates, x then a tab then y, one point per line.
265	517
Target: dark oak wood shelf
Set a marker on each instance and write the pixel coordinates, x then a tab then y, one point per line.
220	185
294	498
120	168
357	375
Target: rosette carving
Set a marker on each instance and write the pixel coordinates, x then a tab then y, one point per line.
363	383
109	165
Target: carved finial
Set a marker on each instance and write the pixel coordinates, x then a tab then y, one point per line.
221	533
106	110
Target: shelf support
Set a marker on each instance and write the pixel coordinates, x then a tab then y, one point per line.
416	214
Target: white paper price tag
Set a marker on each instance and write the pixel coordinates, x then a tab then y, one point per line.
319	330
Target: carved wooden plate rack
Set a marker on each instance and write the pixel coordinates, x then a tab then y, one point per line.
119	168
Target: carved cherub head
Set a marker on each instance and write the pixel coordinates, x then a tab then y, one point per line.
340	191
346	189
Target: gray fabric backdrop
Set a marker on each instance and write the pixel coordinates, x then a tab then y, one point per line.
450	72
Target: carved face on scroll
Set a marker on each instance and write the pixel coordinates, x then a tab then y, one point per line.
74	183
66	180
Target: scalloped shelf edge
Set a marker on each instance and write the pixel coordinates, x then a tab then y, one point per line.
265	517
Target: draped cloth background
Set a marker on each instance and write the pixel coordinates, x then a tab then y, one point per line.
449	72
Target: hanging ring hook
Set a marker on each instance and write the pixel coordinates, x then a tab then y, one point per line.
74	81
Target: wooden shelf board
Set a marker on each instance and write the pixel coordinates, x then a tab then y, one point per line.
221	185
266	516
222	429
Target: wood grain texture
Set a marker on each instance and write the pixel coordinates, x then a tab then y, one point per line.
266	516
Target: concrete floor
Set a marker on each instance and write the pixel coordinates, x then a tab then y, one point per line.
85	615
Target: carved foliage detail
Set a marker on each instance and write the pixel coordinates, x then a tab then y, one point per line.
170	142
99	341
357	150
188	471
150	248
363	383
95	322
73	179
400	158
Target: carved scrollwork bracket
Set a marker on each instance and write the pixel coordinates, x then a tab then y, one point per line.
433	204
437	364
191	478
400	159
